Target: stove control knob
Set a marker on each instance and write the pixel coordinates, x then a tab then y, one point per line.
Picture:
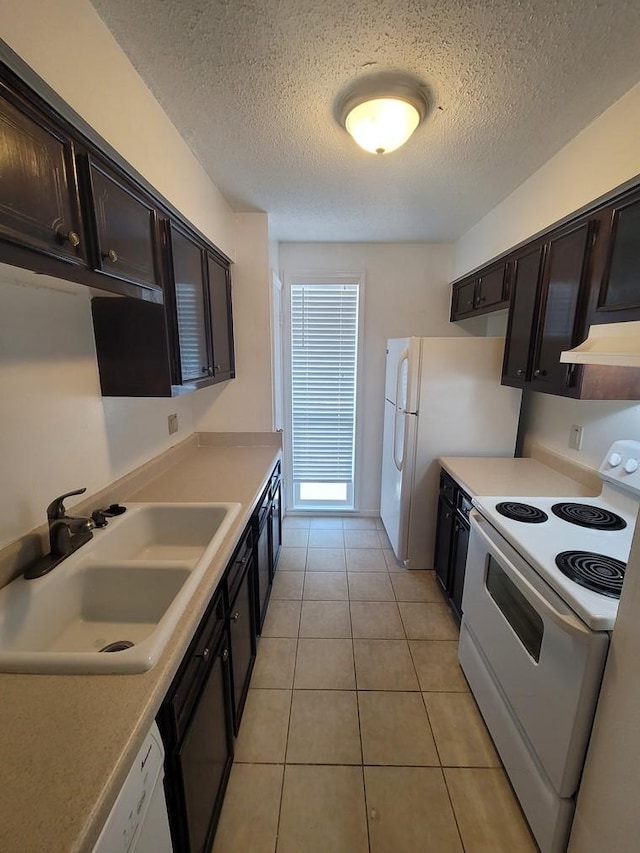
631	465
615	459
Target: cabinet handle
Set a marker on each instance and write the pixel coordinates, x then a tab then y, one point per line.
111	255
72	236
470	303
216	367
520	372
205	654
205	369
540	372
225	655
235	617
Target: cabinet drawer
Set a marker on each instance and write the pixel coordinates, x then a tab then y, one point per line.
447	487
239	562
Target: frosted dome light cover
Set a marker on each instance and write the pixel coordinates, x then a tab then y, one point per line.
382	125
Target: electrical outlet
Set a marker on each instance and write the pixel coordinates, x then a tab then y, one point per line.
575	437
173	424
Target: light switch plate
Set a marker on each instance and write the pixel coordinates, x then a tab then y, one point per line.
173	423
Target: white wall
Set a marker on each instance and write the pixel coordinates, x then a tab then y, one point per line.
68	45
406	293
604	155
56	431
244	404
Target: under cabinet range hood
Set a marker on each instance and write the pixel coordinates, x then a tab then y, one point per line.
614	344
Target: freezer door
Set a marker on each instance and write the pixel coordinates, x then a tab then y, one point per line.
396	349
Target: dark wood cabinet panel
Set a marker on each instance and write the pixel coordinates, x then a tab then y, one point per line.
444	530
192	329
221	319
452	540
39	199
243	641
275	515
620	287
520	327
460	546
560	328
492	287
463	299
126	229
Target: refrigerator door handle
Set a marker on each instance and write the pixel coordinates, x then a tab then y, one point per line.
399	463
404	357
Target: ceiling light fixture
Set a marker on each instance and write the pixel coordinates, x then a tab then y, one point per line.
382	114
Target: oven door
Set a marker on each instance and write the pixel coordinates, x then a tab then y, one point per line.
546	662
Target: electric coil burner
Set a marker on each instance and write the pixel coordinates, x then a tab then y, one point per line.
594	571
588	515
521	512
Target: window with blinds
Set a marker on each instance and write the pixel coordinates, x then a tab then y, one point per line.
324	348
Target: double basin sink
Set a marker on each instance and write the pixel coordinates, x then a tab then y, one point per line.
112	606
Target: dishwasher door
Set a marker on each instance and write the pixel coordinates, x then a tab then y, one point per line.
138	821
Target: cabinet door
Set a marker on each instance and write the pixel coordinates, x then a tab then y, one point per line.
243	647
206	755
565	266
125	229
276	526
263	572
522	314
621	284
191	316
39	203
442	556
463	298
492	288
458	565
221	319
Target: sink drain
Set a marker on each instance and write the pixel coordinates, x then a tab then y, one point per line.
118	646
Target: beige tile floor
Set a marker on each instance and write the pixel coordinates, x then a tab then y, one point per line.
359	732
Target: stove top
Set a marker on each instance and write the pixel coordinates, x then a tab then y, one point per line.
579	546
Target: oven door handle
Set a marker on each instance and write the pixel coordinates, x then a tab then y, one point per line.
569	623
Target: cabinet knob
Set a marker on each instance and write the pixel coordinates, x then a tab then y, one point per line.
447	515
482	299
235	617
111	255
205	369
216	367
225	655
72	236
520	372
205	654
470	303
540	372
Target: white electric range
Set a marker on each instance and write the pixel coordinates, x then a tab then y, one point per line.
542	583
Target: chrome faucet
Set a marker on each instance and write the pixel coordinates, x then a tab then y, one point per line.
66	534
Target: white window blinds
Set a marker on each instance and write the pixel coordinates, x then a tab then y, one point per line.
324	346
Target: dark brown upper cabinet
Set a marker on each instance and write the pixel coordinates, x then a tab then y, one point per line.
39	198
191	328
525	292
616	280
561	319
481	294
221	319
126	228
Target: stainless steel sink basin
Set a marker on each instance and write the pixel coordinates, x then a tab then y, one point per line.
125	590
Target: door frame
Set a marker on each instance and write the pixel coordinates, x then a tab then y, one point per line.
305	276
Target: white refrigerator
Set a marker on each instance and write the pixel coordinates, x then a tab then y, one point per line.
443	397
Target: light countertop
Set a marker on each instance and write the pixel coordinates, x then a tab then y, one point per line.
68	740
482	475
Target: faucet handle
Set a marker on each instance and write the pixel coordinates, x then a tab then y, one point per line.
56	507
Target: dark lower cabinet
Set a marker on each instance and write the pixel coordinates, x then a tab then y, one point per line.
267	522
263	571
195	721
452	541
242	636
275	519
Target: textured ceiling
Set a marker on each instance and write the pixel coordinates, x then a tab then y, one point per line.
252	85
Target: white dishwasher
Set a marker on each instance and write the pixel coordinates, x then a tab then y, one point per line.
138	820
